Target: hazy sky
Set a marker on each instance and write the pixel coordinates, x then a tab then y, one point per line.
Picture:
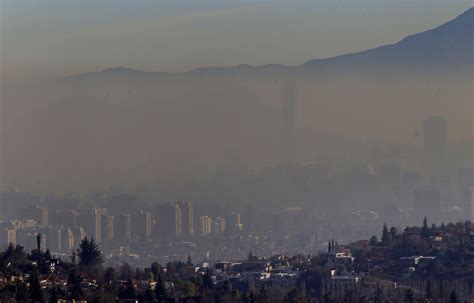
44	39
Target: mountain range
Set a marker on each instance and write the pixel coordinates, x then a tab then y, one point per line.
449	45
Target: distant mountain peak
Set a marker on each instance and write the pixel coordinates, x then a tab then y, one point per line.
121	70
448	45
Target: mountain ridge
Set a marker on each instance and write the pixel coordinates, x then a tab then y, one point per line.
447	45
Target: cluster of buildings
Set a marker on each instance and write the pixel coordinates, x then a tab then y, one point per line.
63	229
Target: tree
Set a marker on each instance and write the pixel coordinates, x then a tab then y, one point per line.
128	291
250	256
36	293
428	292
89	254
155	269
160	289
21	292
425	231
295	296
373	241
393	232
74	286
54	294
386	238
410	295
109	274
262	294
207	280
138	274
149	295
190	261
453	297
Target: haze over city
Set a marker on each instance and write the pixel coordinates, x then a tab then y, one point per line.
229	140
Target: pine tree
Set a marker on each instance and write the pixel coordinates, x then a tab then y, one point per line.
54	294
453	297
89	253
425	230
155	269
189	261
263	295
428	292
74	286
160	289
393	232
410	295
128	291
21	292
386	238
373	241
36	293
295	296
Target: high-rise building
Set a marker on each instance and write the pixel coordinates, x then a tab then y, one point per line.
434	144
233	224
67	218
7	237
205	224
187	215
91	222
219	225
67	240
141	224
53	239
169	220
78	234
37	213
288	147
123	227
107	228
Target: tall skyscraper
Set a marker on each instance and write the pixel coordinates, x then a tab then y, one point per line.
91	222
67	240
233	224
288	141
187	215
141	224
107	228
169	220
53	239
123	227
37	213
205	224
78	234
434	144
7	237
219	225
